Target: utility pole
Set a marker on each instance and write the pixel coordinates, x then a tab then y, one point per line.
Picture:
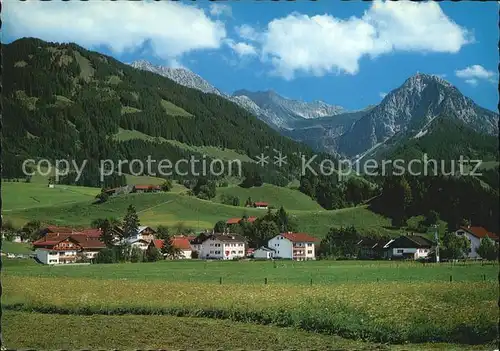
436	237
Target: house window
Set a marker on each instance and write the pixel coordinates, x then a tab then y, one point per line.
309	252
211	252
400	251
309	244
240	252
233	252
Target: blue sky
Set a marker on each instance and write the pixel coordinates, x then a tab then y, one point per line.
344	53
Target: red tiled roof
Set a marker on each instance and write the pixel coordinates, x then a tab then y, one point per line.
144	187
299	237
480	232
178	242
237	220
181	243
261	204
158	243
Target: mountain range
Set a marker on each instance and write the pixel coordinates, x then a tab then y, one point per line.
408	110
61	101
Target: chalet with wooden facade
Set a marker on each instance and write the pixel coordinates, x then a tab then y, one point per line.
56	248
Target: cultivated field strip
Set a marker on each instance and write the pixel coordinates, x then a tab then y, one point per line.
393	312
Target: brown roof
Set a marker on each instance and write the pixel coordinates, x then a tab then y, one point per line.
299	237
146	187
56	229
85	241
480	232
237	220
263	204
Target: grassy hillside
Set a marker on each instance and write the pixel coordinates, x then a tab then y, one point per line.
18	196
274	195
16	248
176	207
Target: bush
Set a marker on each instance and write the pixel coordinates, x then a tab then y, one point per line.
136	255
106	256
153	254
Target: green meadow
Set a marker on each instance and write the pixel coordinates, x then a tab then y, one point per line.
74	206
370	303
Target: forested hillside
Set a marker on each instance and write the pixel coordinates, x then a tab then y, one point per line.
62	101
445	139
457	200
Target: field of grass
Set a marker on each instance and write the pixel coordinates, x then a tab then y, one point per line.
18	196
29	331
175	207
393	310
174	110
274	195
255	272
16	248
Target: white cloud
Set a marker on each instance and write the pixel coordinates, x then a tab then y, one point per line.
242	49
220	10
121	26
247	32
473	74
382	94
322	44
472	81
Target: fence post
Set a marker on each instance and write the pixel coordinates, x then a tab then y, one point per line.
451	278
220	280
265	280
311	281
484	277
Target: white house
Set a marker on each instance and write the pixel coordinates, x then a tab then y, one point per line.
140	243
143	233
179	242
295	246
47	256
261	205
409	246
474	235
66	248
223	246
263	253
